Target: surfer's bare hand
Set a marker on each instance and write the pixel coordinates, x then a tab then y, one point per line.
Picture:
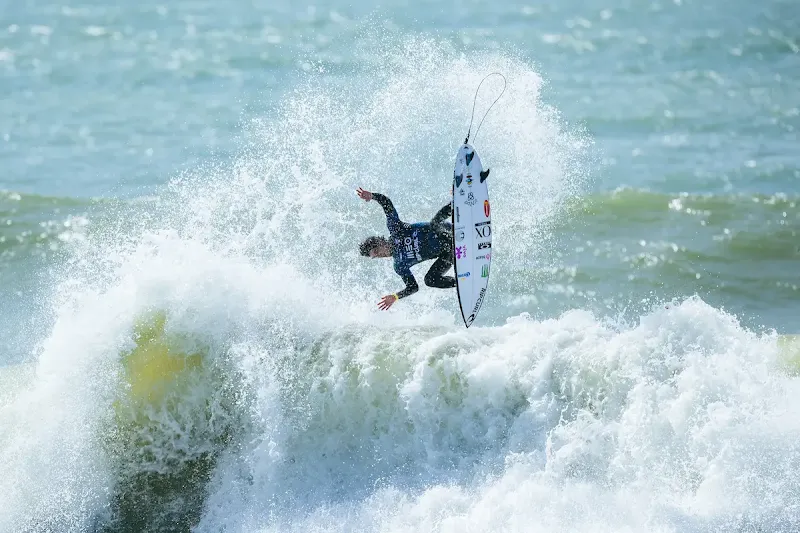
364	195
387	301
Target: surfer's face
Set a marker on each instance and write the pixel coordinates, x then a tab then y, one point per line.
380	251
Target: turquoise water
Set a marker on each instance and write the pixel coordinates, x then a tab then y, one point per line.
197	160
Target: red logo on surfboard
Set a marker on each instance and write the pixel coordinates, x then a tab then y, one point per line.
486	209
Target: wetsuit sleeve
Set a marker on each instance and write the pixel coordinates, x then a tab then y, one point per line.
392	220
411	284
443	214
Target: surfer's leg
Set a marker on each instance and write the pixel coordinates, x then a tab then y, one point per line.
444	234
443	214
435	278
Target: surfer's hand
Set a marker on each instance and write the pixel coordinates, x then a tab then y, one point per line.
364	195
386	302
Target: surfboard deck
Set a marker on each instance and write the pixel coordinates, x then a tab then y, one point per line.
472	232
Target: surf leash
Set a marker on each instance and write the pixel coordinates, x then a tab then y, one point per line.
490	107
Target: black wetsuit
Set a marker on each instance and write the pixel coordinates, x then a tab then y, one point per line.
414	243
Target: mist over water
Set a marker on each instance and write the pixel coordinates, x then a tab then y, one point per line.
394	130
289	403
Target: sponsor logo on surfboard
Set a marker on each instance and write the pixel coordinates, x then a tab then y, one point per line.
484	245
484	256
486	208
460	236
458	215
470	201
471	318
479	302
483	229
464	275
469	180
461	252
461	192
485	271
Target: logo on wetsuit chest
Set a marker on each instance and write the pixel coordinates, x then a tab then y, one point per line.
411	247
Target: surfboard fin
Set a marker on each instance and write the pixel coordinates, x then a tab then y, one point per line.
485	174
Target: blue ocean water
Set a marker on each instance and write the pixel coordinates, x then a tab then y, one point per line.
179	179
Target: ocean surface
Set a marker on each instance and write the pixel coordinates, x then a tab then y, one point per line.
189	340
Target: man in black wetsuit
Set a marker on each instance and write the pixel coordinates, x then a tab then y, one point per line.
409	244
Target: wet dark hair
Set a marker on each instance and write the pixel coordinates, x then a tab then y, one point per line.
371	243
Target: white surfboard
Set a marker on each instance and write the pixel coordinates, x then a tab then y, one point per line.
472	232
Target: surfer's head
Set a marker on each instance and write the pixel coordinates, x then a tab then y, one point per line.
376	247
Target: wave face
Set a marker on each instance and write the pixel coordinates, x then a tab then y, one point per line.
217	363
682	423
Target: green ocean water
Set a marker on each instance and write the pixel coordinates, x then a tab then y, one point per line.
188	168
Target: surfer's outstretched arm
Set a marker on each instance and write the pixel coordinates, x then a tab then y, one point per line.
388	208
411	287
392	219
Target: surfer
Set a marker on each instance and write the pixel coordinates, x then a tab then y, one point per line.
409	244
